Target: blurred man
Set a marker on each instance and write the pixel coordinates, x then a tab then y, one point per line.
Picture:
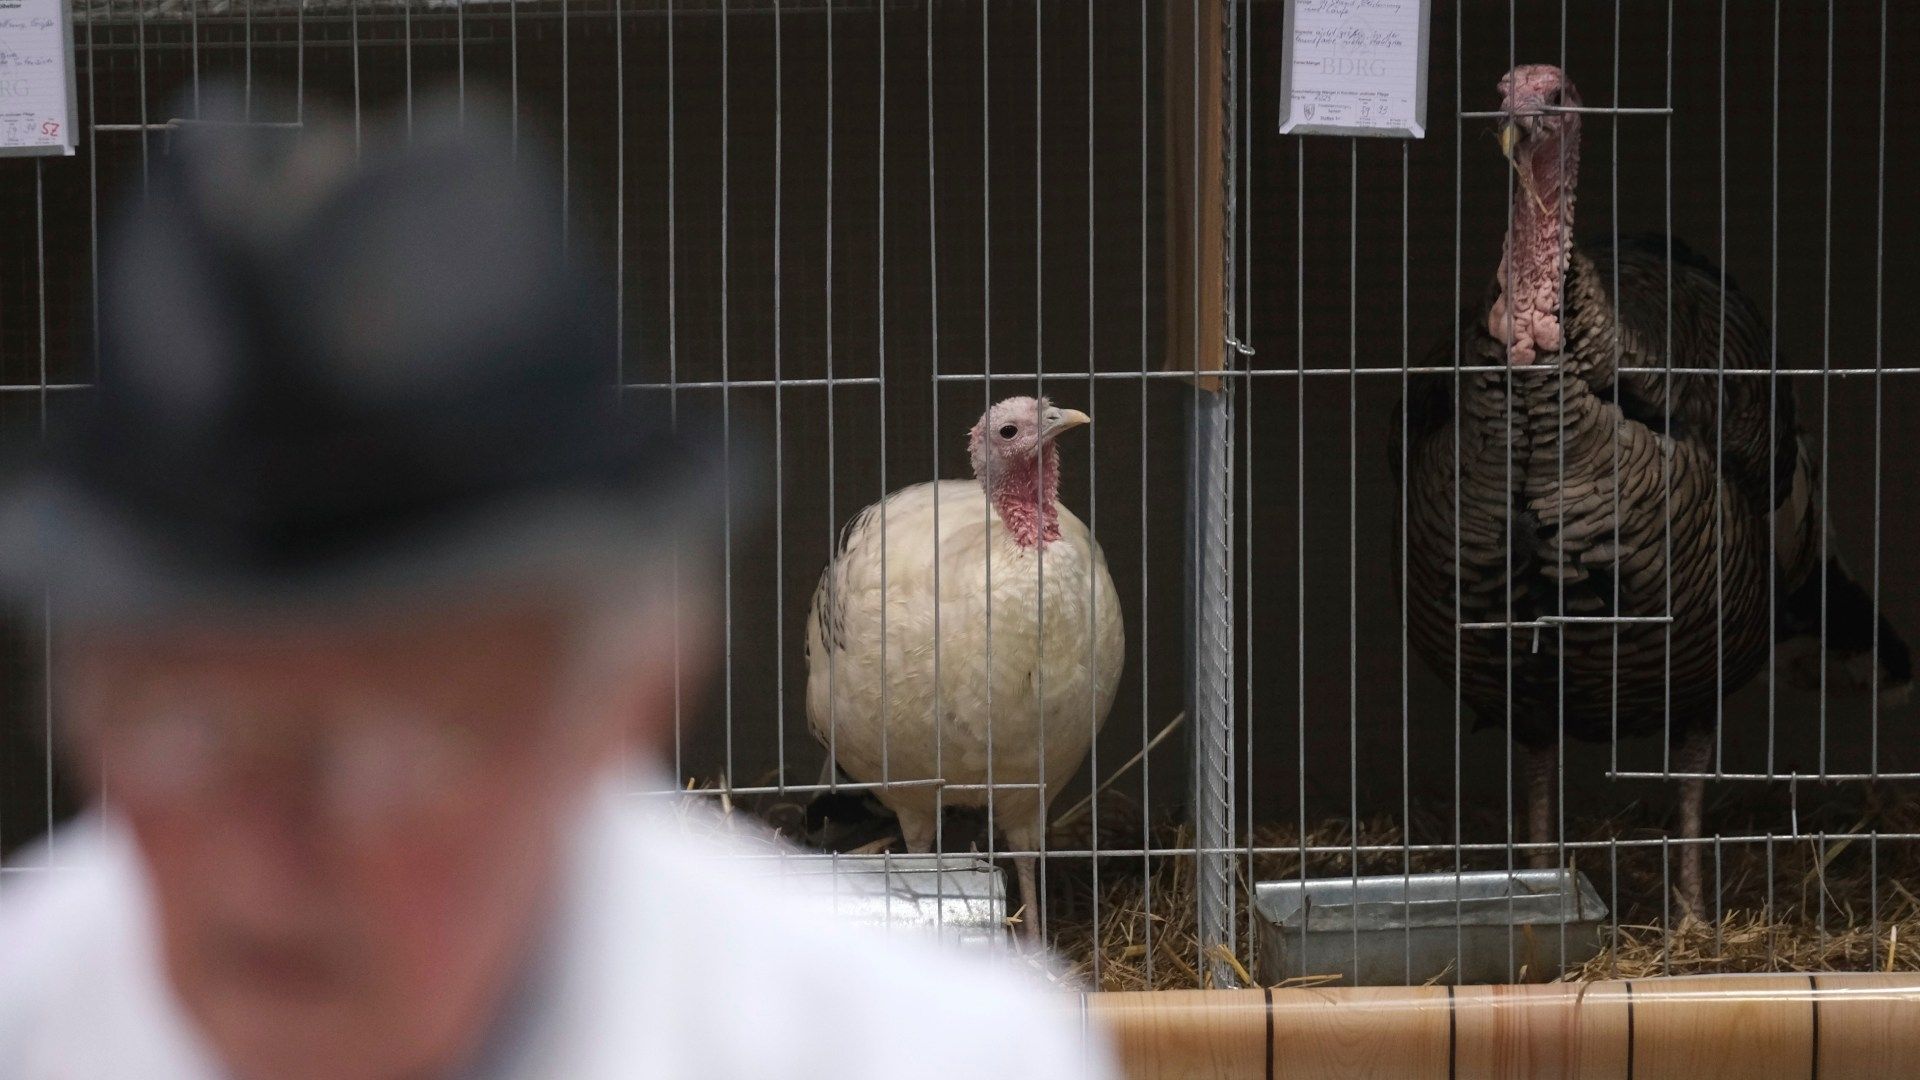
367	607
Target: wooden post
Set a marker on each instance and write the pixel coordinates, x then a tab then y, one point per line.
1196	191
1195	73
1714	1027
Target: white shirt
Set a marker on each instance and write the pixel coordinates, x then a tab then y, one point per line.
674	963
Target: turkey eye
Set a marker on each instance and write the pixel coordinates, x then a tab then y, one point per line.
1553	98
1009	431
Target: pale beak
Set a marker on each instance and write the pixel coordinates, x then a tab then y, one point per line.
1065	420
1509	142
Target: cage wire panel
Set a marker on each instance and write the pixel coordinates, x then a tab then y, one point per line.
856	224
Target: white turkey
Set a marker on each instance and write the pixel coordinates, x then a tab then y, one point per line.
968	630
1558	481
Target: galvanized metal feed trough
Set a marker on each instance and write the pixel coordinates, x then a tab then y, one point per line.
955	899
1393	930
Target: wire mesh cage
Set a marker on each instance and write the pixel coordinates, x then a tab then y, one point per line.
857	225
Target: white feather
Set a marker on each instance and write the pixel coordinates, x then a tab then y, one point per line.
913	679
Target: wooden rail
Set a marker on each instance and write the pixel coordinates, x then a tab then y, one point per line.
1719	1027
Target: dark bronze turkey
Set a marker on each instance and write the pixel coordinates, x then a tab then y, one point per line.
1611	498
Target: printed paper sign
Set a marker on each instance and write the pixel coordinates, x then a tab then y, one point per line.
1355	67
37	105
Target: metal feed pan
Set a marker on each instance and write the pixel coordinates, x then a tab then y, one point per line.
956	899
1395	930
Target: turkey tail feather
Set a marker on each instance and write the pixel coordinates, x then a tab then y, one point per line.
1858	640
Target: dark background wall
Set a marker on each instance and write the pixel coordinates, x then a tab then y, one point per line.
760	235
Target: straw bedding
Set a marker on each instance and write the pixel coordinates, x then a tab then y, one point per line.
1833	897
1822	913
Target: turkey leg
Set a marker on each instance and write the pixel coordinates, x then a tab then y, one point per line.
1030	918
917	829
1032	922
1539	775
1694	755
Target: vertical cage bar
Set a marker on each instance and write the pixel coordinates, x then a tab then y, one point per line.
880	370
406	29
726	392
933	360
460	64
140	58
1773	379
1300	505
1508	521
986	382
46	607
1459	221
673	371
193	50
566	121
1879	396
1243	336
1146	684
1826	389
1039	901
353	54
779	415
1406	589
620	200
1353	524
832	769
93	195
1093	511
513	71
